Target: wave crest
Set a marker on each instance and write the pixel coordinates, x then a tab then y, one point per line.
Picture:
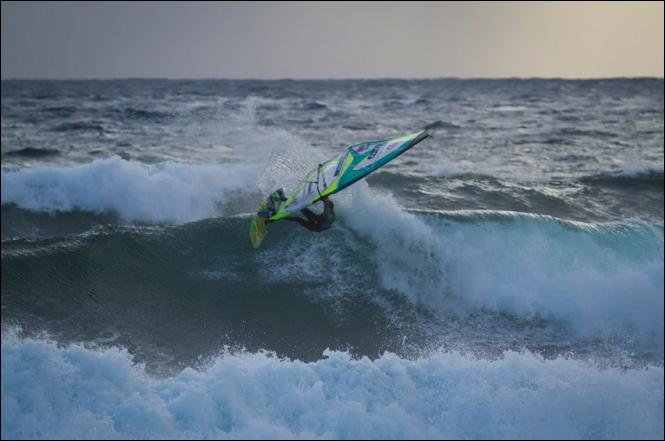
597	278
164	192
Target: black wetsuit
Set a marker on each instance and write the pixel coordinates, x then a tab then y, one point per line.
317	222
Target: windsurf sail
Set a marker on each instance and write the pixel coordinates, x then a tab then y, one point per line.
356	162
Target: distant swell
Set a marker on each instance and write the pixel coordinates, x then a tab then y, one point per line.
149	115
628	177
34	152
78	126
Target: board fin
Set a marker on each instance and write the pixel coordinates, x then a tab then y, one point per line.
258	230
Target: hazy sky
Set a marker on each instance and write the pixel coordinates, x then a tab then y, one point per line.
331	40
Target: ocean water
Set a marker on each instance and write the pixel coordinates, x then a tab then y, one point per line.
502	279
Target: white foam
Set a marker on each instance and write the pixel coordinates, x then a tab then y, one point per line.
600	280
264	159
510	108
74	392
165	192
448	169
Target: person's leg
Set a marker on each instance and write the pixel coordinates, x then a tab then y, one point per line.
307	223
310	215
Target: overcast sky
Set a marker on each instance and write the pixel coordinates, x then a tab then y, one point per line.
331	40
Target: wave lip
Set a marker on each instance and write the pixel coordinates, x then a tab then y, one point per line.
62	392
165	192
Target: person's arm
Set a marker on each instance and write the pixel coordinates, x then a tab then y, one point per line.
310	215
328	206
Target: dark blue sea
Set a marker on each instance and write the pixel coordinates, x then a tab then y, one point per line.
502	279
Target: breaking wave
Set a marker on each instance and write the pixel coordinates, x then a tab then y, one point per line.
598	279
165	192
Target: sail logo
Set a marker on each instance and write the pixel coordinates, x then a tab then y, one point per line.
393	145
360	148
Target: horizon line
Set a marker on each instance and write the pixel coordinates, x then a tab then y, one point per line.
148	78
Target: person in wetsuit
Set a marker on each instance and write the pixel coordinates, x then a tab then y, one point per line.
311	220
317	222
